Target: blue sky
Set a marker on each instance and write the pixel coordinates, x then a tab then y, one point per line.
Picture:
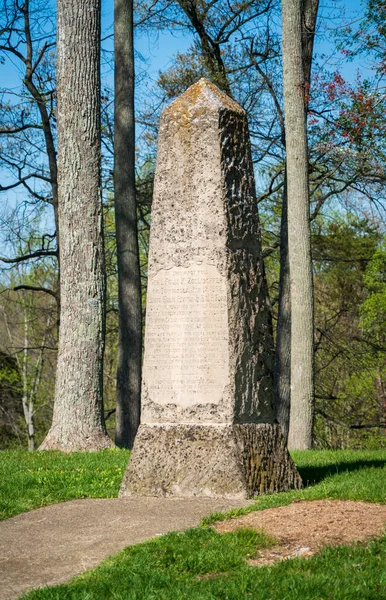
158	51
155	51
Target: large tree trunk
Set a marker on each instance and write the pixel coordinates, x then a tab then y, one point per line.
129	276
299	237
78	422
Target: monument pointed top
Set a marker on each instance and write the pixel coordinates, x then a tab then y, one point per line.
201	96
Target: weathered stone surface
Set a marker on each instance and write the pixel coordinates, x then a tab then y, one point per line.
187	360
207	328
232	461
169	457
208	340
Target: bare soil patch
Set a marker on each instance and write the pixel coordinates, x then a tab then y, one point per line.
303	528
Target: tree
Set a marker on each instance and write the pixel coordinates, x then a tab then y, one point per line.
28	326
299	235
251	67
11	409
28	130
29	339
282	366
78	422
129	277
237	48
350	368
373	313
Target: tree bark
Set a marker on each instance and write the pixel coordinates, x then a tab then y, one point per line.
129	276
309	17
282	362
282	367
299	237
27	401
78	422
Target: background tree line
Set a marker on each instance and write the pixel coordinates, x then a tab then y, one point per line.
238	47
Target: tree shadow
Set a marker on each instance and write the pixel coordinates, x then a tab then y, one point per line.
312	475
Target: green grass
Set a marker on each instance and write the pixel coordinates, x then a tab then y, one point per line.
343	474
29	481
203	565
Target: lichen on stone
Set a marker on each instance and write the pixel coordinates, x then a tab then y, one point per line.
201	98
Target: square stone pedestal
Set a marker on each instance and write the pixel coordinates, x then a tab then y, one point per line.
231	461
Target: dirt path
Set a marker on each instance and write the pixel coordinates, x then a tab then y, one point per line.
52	544
303	528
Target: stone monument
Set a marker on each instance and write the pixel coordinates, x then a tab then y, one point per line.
207	425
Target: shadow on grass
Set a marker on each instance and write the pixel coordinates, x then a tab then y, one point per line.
312	474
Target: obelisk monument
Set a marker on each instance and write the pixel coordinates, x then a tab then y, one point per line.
208	425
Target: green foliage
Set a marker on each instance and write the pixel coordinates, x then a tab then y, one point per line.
11	410
349	360
28	328
111	339
29	481
366	37
373	310
9	375
203	565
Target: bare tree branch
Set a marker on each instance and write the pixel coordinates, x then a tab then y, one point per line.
38	254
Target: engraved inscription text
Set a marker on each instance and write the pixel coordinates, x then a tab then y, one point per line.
186	339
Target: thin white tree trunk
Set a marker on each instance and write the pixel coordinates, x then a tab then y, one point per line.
282	366
27	405
299	237
22	365
38	369
78	422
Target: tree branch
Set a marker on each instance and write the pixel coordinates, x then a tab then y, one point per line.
36	289
38	254
349	426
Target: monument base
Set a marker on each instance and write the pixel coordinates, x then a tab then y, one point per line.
227	461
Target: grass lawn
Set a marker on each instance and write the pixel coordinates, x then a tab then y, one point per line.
29	481
341	474
203	565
